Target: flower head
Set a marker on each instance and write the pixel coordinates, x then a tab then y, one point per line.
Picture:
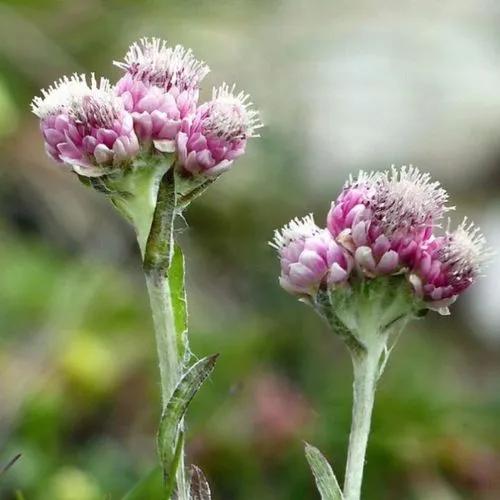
217	134
383	217
85	125
450	264
160	88
310	258
384	223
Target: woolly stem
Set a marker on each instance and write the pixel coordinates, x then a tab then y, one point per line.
154	223
366	369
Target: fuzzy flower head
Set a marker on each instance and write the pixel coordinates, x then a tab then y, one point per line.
217	134
383	217
310	258
160	88
85	125
449	265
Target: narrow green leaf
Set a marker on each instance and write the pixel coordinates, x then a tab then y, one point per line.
150	487
179	304
199	489
176	408
190	192
323	474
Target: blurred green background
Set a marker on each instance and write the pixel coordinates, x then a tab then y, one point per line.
342	85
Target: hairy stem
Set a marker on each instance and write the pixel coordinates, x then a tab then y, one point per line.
366	369
154	229
166	342
157	249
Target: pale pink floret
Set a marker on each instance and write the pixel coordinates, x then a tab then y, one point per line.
160	88
85	125
448	265
383	218
217	134
310	258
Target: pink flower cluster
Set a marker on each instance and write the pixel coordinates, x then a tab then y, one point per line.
310	257
85	125
95	127
383	223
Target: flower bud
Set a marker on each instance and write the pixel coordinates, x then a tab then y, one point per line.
383	218
160	88
85	125
448	265
216	135
310	258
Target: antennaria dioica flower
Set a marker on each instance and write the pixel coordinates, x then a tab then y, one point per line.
382	261
151	149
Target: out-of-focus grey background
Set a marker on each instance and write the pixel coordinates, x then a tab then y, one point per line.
342	85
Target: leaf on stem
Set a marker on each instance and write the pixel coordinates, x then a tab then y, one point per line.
323	474
179	303
199	489
175	410
186	196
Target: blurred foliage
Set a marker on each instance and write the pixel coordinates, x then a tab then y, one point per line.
79	392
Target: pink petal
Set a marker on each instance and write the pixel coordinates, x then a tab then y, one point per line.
313	261
337	274
219	168
364	258
53	136
205	159
191	164
302	276
388	262
381	246
143	126
103	154
359	235
182	139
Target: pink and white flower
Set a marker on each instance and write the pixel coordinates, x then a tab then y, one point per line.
383	218
448	265
384	224
160	88
217	134
85	125
310	258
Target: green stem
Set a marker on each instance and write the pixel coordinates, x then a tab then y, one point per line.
365	315
153	222
169	362
147	196
157	259
166	342
366	369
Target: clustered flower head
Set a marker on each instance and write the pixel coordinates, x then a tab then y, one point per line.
212	138
384	223
310	257
85	124
152	109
